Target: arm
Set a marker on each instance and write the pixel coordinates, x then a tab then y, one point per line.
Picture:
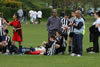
48	24
7	24
78	26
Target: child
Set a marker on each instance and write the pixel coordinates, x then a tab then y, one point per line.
65	22
6	43
72	20
51	46
61	42
17	31
39	14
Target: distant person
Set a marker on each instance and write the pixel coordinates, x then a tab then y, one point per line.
20	13
34	17
53	23
39	14
25	15
31	12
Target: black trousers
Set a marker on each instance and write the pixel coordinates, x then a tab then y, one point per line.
94	37
77	44
96	43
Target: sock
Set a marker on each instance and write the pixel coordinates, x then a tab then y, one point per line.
70	49
20	49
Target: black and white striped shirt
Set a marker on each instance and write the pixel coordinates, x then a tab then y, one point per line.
64	22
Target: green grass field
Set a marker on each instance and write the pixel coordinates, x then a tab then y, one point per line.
34	35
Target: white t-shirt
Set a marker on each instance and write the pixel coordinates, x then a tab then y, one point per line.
20	12
35	15
31	12
97	22
39	14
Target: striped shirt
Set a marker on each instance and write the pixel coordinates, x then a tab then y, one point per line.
51	51
64	22
1	27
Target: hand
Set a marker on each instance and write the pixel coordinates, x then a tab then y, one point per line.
14	29
75	24
97	25
68	28
70	23
44	43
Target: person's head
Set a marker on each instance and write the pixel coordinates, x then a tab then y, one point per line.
54	12
78	13
73	14
15	16
65	16
97	15
6	32
52	38
58	33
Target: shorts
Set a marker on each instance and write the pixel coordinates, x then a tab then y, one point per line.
17	36
71	34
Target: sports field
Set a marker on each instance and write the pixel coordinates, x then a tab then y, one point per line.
33	35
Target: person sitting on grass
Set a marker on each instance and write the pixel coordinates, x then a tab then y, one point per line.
4	45
61	42
51	46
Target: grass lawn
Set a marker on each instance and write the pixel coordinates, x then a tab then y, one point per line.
34	35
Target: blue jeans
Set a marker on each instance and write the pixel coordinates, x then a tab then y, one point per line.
77	44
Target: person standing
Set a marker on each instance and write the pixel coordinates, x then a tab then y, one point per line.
95	32
78	35
71	34
39	15
25	15
31	12
20	13
53	24
17	31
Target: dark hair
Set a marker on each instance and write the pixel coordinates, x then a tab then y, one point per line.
59	32
52	37
6	31
65	14
98	13
16	15
1	14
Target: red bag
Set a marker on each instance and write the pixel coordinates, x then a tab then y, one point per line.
35	52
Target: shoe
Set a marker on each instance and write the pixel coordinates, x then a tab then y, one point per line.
73	54
78	55
92	52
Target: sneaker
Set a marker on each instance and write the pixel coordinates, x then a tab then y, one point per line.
73	54
92	52
78	55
